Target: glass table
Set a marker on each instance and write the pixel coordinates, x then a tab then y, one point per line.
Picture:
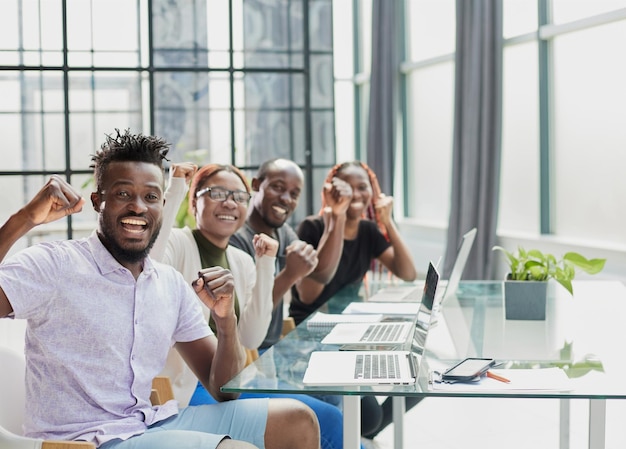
581	335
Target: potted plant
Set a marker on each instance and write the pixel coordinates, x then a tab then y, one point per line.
525	287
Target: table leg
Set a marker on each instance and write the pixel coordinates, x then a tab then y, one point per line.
399	408
564	412
597	423
352	422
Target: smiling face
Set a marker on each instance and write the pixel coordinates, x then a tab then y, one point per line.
218	220
278	193
361	190
130	206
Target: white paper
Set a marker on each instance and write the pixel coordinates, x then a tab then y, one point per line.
541	379
384	308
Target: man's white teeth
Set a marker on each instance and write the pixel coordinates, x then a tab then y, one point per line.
279	210
226	217
133	221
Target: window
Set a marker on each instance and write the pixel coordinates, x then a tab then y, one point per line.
229	81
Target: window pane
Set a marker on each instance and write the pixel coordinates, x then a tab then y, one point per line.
30	32
320	31
519	174
590	136
343	42
344	120
365	36
180	32
99	103
431	122
90	39
520	17
192	112
323	137
431	28
273	33
32	121
570	10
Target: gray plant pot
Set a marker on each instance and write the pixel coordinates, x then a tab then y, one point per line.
525	300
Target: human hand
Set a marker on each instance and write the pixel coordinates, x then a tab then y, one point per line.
183	170
264	245
337	195
215	287
56	199
301	259
384	208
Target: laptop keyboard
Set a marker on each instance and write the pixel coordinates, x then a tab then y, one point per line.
380	332
377	366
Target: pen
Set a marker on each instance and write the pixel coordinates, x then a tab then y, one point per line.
496	377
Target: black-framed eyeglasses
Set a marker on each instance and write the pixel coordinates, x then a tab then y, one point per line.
222	194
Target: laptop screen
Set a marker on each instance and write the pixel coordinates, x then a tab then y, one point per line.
425	311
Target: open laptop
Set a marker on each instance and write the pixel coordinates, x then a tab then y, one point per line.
382	333
459	264
386	333
374	367
447	288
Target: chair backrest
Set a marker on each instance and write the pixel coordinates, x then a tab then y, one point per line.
12	390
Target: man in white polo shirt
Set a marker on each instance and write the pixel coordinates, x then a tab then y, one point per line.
102	316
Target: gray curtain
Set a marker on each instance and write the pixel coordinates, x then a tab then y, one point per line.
383	85
477	134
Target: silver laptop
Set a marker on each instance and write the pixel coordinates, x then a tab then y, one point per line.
382	333
447	287
387	333
459	264
361	368
374	367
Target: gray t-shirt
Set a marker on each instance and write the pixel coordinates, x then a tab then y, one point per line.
242	239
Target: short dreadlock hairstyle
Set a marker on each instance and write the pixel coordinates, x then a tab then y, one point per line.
128	147
370	213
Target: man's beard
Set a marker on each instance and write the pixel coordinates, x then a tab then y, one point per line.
273	224
122	254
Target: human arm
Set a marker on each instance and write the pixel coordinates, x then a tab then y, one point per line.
254	282
56	199
397	258
180	176
311	230
215	361
337	196
301	260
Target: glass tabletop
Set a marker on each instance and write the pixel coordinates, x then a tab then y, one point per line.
583	336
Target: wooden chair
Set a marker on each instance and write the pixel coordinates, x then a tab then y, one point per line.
12	397
288	325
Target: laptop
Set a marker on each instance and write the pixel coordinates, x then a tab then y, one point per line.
386	333
382	333
459	264
338	368
448	288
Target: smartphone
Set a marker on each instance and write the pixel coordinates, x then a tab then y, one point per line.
468	369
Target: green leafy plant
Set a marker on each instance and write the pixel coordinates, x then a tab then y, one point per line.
533	265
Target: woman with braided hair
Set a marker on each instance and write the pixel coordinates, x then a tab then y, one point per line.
362	230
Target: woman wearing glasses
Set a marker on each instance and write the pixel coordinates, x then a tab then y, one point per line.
218	200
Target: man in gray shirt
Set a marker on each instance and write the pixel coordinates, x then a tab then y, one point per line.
277	188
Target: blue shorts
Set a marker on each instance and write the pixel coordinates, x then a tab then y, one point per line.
203	426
